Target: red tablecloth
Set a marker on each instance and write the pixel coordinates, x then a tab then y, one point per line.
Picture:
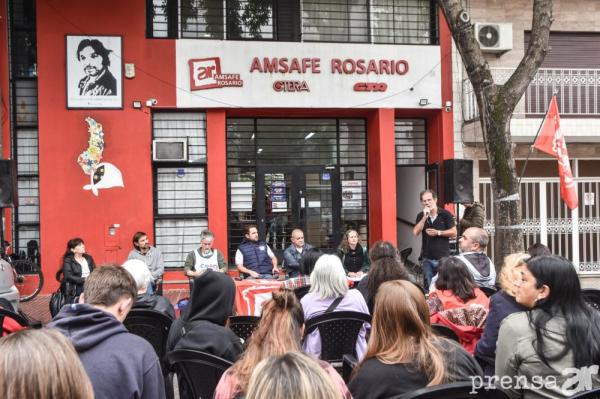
250	295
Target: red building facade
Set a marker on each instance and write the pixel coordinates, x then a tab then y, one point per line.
412	85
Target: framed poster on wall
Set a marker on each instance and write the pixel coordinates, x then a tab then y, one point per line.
94	72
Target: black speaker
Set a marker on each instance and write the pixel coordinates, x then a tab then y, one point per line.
458	181
8	183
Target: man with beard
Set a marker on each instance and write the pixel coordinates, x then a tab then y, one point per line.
150	255
99	81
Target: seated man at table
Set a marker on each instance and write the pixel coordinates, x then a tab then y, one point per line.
293	253
254	257
200	260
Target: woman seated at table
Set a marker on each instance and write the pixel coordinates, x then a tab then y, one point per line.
329	293
403	353
355	257
278	332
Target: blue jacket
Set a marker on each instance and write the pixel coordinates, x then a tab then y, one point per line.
291	257
256	256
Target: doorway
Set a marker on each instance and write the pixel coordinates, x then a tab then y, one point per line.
304	197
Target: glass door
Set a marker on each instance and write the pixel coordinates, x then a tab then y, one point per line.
305	197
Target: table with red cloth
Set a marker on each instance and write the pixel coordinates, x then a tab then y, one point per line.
251	293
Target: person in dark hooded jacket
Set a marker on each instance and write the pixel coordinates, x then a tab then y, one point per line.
202	325
119	364
142	276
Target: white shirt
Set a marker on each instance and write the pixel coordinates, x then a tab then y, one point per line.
85	268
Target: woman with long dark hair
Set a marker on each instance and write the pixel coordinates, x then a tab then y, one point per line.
354	256
559	332
455	287
77	265
386	265
403	353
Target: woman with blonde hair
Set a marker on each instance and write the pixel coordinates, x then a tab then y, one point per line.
502	304
354	257
404	354
278	332
41	364
292	374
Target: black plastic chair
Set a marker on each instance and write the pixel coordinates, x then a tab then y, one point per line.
592	394
349	363
591	297
243	326
151	325
339	332
198	372
488	291
301	291
12	315
445	331
455	390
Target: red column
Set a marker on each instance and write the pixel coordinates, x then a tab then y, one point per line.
382	176
216	150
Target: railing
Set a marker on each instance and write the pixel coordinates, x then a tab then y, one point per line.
578	93
545	218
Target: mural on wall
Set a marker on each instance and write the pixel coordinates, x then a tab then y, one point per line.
102	174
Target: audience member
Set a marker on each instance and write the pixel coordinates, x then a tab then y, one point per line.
307	264
41	364
355	257
329	293
278	332
538	249
557	337
202	324
205	257
150	255
141	274
455	288
119	364
254	257
293	253
472	244
77	266
385	266
291	375
403	353
502	304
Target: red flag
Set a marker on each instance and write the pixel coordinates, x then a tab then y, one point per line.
551	141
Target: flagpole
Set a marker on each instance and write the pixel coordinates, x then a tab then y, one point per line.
531	146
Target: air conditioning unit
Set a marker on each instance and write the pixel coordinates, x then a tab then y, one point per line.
494	37
169	150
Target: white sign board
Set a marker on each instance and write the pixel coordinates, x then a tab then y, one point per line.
351	194
241	196
232	74
589	199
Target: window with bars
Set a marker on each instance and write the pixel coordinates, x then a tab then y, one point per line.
411	142
180	208
354	21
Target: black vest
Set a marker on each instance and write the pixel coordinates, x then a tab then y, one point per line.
256	256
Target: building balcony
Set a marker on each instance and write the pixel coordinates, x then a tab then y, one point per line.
577	92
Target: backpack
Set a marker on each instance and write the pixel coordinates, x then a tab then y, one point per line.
64	295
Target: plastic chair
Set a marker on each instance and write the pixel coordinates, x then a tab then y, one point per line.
198	372
488	291
592	394
445	331
13	315
301	291
349	363
151	325
243	326
339	332
592	297
455	390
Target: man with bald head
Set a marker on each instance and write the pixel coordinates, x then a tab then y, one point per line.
293	253
472	244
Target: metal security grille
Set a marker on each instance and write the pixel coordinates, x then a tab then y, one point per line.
338	143
411	142
24	126
335	21
403	21
180	210
354	21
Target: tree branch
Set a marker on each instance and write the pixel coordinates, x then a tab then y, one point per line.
534	56
463	33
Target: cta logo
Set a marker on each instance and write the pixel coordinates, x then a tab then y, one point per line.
205	73
371	87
